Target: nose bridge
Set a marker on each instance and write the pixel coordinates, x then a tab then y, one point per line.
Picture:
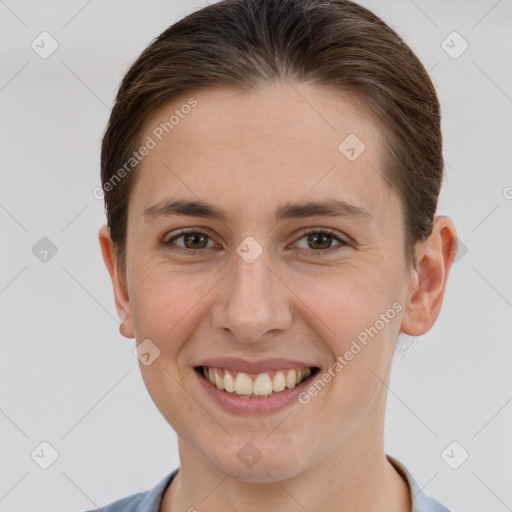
253	301
251	283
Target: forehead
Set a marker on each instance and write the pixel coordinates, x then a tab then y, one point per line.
253	149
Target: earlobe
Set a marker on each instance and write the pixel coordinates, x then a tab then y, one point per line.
428	284
118	281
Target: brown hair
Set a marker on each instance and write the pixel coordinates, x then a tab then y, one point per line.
241	44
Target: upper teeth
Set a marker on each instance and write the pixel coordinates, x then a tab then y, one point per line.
261	384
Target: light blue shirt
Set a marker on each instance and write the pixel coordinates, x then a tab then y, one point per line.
149	501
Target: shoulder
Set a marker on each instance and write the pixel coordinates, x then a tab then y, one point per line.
421	502
148	501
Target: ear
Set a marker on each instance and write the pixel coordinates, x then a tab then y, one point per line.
118	281
425	295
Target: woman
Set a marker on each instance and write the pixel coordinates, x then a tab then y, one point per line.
271	173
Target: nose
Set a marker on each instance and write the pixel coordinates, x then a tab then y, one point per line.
253	301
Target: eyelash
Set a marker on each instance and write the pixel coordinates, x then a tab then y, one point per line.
318	231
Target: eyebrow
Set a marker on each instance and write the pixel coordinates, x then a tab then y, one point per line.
193	208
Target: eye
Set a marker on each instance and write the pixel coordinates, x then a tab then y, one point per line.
194	241
322	239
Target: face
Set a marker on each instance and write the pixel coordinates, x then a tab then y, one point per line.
256	292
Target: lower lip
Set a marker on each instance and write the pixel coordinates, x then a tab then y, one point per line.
238	404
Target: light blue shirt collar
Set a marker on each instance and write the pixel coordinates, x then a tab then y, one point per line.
421	502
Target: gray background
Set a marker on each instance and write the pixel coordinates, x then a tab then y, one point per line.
67	377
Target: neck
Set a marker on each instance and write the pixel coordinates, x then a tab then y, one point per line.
347	481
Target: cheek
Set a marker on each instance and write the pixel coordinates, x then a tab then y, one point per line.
344	299
356	313
170	307
169	395
165	303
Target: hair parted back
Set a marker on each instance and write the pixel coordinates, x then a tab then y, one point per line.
245	44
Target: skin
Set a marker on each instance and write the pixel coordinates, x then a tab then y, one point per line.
248	153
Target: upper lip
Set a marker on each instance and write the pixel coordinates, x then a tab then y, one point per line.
242	365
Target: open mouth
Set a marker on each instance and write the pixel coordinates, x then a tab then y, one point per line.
256	385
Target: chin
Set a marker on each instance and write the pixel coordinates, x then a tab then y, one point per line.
259	461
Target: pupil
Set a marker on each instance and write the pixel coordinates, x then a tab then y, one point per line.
315	236
194	236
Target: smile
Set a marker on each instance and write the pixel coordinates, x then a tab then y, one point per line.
253	387
256	385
